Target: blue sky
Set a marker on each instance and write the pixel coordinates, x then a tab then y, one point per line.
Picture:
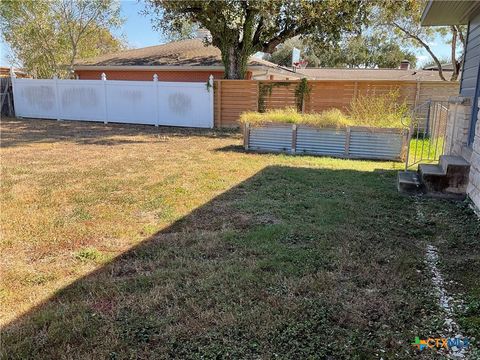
138	31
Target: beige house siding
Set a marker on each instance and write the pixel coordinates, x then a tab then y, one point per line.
458	128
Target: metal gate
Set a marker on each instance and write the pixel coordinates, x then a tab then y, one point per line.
428	130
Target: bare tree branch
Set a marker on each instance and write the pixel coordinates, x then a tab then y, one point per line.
426	47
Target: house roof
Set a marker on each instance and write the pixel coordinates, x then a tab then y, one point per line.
370	74
5	72
445	67
190	53
438	13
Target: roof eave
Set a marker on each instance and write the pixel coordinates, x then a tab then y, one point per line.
442	13
180	68
148	67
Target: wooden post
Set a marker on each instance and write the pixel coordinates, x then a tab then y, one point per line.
246	136
417	94
257	94
219	102
11	106
355	90
294	139
348	132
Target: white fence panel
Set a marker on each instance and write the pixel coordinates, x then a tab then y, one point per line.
185	104
81	100
131	102
135	102
35	98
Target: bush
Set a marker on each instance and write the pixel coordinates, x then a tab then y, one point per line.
385	111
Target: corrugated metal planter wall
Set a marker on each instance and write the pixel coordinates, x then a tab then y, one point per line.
351	142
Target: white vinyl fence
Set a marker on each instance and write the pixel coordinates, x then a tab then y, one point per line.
187	104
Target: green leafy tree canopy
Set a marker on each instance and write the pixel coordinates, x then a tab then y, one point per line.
48	37
372	51
242	28
402	20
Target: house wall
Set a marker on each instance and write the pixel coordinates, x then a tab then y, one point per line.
458	126
188	76
472	54
460	117
463	110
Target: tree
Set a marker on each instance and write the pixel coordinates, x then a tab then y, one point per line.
242	28
432	63
186	31
358	51
403	19
47	37
283	53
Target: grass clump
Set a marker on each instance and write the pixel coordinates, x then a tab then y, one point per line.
88	254
333	118
387	111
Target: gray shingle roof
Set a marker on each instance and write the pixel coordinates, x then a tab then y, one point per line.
191	52
370	74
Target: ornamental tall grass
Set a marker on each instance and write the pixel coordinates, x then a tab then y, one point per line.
333	118
387	111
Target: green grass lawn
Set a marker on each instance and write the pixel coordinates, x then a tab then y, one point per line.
136	242
425	150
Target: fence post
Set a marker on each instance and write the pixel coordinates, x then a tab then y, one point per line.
13	76
294	138
212	105
157	112
417	94
348	133
104	79
57	95
219	101
246	136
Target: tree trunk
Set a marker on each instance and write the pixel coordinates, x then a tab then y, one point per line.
235	63
455	66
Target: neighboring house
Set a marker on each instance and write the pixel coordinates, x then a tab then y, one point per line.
5	72
405	74
463	129
445	67
185	60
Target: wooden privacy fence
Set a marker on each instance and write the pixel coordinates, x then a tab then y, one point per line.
232	97
6	97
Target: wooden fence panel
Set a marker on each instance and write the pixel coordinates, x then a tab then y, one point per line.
232	97
280	94
325	95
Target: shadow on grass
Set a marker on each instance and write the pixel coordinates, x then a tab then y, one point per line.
27	131
297	262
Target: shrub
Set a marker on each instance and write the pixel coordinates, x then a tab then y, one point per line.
387	111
